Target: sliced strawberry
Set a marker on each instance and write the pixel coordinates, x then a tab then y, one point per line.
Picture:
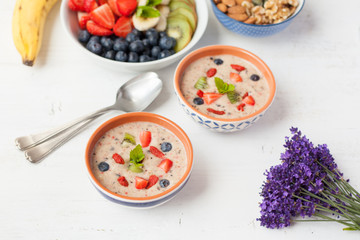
249	100
103	16
72	6
90	5
140	183
237	67
156	152
123	182
96	29
123	26
235	77
215	111
200	93
165	165
211	72
241	107
118	159
102	2
211	97
245	95
79	5
114	8
126	7
152	181
145	138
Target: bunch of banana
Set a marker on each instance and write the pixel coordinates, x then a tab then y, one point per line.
28	25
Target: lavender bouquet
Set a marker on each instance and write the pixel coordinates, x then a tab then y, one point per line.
307	183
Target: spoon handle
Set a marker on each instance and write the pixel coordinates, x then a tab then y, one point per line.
27	142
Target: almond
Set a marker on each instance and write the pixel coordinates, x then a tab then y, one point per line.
222	7
229	3
251	20
239	17
236	10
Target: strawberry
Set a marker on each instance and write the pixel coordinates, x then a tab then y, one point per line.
165	165
215	111
211	97
72	6
114	8
200	93
211	72
103	16
241	107
83	18
96	29
118	159
90	5
152	181
249	100
126	7
140	183
145	138
237	67
123	182
76	5
102	2
235	77
245	95
156	152
123	26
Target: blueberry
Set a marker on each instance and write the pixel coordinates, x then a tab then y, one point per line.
153	40
107	43
120	44
109	54
84	36
218	61
164	53
133	57
167	43
146	43
121	56
94	39
172	51
162	34
136	46
255	77
152	32
155	51
198	101
166	146
146	51
94	47
144	58
103	166
137	33
164	183
131	37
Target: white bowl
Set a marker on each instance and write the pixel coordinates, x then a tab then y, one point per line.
70	23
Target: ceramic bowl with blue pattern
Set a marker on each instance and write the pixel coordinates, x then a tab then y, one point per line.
218	124
253	30
140	202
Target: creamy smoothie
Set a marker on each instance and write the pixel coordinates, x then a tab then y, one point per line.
138	159
224	86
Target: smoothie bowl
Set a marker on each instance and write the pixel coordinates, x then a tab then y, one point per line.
139	160
224	88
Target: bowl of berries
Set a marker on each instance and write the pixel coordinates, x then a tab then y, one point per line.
134	35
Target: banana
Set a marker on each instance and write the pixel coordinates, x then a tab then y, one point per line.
27	27
143	24
164	13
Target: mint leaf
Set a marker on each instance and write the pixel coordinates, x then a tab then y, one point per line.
152	3
147	12
222	86
136	157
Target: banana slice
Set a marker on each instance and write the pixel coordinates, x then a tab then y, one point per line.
142	2
164	13
165	2
143	24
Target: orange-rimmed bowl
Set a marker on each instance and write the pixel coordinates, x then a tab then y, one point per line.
140	202
217	124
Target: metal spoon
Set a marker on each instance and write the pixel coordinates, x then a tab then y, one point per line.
134	96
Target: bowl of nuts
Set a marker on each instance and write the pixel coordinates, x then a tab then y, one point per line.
256	18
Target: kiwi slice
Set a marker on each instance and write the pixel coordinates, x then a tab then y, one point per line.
186	13
201	83
175	4
233	96
180	29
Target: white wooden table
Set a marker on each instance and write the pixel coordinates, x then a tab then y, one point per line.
316	62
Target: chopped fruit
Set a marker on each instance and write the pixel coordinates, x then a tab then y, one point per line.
198	101
103	16
96	29
249	100
218	61
211	97
156	152
235	77
164	183
129	138
90	5
145	138
200	93
165	165
237	67
245	95
76	5
233	97
123	182
114	8
241	107
72	6
103	166
152	181
140	183
211	72
126	7
135	168
166	146
118	159
201	83
123	27
102	2
83	18
215	111
255	77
